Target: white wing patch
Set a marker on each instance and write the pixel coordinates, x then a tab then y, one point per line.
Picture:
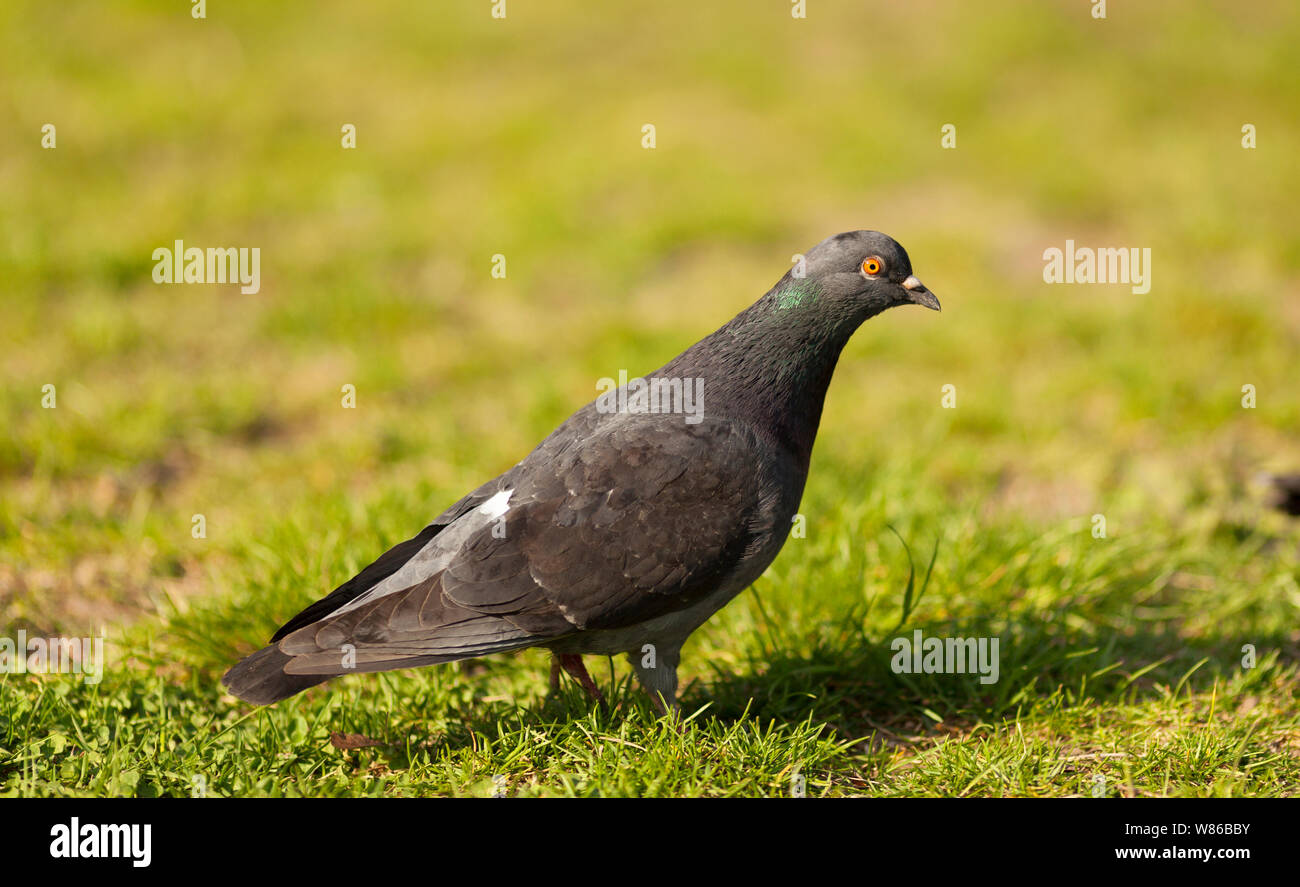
497	505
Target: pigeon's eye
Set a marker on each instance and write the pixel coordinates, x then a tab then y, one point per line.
873	265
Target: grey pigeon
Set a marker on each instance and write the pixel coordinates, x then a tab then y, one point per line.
632	523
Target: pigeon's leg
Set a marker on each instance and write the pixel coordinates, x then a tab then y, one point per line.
656	669
665	708
572	663
555	672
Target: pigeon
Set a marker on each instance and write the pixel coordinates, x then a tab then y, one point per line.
632	523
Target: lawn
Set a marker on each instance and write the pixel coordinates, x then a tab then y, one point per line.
1158	659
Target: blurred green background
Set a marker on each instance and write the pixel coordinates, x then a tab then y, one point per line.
522	137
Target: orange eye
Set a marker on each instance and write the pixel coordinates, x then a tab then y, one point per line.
872	265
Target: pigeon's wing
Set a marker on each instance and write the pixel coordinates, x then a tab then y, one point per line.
638	520
385	565
623	522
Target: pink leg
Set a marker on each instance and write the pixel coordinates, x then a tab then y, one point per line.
572	663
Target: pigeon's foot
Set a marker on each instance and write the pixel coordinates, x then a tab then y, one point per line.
572	663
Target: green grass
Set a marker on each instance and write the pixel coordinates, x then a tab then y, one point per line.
1120	657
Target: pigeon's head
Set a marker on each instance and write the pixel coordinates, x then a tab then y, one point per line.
868	268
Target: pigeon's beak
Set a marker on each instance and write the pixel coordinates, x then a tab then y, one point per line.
916	292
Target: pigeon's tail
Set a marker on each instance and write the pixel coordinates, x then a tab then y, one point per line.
261	678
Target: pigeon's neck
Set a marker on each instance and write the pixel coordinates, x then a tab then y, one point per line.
772	363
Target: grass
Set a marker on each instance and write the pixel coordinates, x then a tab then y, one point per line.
1122	663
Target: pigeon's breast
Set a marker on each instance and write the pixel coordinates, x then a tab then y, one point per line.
776	482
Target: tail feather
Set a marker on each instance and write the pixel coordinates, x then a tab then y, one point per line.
261	678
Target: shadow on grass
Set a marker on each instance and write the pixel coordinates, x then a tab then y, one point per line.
854	689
